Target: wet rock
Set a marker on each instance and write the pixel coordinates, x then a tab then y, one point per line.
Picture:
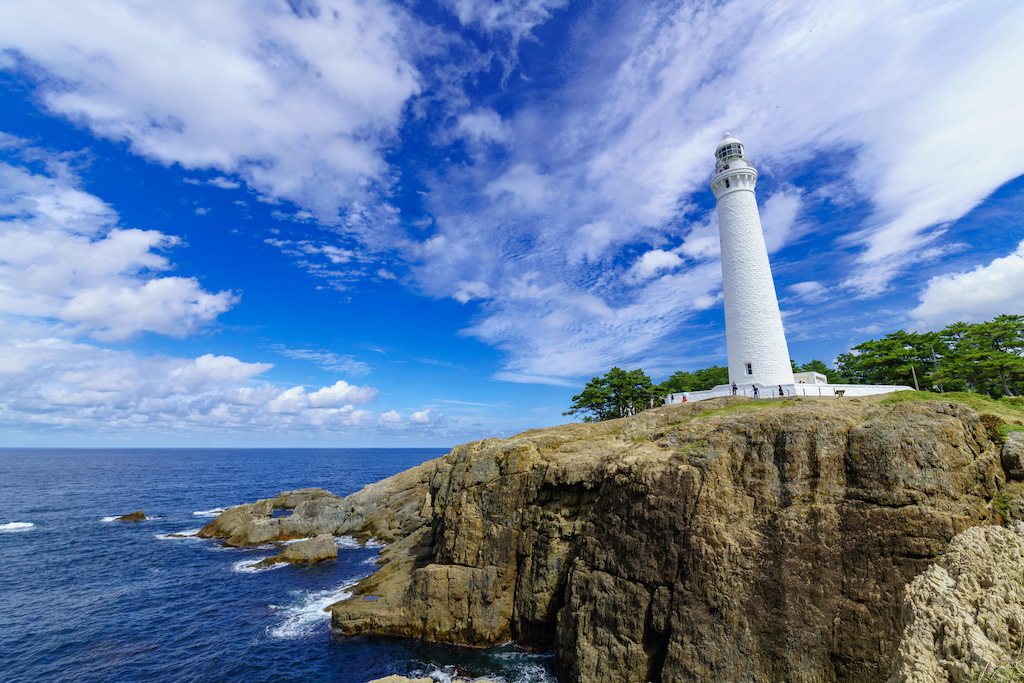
137	516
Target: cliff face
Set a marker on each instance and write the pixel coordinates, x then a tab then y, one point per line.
722	541
725	540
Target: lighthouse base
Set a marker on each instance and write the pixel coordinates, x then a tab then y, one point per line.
790	390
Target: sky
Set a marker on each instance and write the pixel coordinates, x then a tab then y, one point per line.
342	223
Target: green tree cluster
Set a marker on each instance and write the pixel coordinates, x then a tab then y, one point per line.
617	394
984	357
698	380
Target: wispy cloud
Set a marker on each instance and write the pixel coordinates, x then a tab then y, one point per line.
328	360
441	363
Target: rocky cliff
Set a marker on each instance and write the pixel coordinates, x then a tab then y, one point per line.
727	540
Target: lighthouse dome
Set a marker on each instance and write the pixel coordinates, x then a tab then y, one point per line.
728	149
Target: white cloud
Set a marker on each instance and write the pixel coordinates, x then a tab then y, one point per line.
590	242
62	257
342	393
420	417
484	125
974	296
325	359
224	183
172	306
653	263
297	104
514	17
390	418
778	219
471	290
809	291
525	184
49	383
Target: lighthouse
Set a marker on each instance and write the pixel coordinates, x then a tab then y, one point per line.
755	339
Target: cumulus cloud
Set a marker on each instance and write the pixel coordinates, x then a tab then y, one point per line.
653	263
298	104
63	257
342	393
975	295
49	383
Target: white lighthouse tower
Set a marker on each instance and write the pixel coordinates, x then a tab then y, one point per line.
758	353
755	340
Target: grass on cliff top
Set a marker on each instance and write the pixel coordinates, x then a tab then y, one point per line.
1010	410
749	406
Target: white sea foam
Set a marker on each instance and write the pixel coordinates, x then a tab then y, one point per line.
373	561
308	613
374	543
179	535
346	542
109	519
208	513
246	566
14	527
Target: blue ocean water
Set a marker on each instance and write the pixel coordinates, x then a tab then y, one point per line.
84	598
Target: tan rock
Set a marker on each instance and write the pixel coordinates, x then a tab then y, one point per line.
137	516
314	550
389	509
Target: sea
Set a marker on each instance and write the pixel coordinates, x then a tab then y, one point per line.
86	598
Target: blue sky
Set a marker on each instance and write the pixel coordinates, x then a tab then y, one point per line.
340	223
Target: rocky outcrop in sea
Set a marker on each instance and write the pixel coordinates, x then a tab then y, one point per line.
722	540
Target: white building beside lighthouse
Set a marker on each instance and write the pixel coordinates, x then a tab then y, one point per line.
755	339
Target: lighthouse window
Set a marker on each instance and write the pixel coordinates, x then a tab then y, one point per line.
750	368
727	182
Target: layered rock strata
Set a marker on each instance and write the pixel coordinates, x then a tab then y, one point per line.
727	540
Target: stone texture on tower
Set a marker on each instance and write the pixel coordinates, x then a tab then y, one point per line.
756	341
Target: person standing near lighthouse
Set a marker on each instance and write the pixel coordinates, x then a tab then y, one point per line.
755	339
